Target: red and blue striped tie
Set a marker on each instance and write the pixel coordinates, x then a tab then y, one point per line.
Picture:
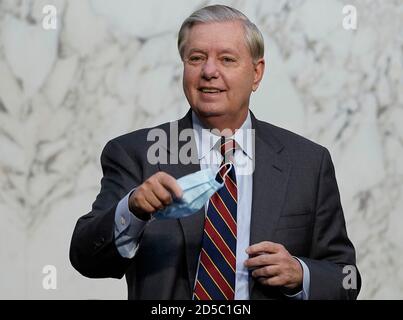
216	275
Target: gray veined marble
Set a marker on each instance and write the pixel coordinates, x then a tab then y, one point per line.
112	67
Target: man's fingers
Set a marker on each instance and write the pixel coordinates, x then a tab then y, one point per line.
153	200
144	206
267	271
264	247
261	260
163	195
275	281
170	184
156	193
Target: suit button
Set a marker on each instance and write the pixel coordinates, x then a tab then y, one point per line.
99	243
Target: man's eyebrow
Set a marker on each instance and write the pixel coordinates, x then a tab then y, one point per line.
196	50
221	51
229	50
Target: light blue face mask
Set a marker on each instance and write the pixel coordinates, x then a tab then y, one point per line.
197	189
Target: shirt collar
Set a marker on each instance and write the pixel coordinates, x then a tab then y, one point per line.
205	140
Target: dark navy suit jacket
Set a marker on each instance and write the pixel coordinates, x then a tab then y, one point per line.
295	202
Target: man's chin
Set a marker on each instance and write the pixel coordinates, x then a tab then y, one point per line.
209	112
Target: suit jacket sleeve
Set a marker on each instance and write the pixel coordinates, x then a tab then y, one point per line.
93	250
331	248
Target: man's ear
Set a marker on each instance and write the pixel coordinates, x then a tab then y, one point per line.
259	71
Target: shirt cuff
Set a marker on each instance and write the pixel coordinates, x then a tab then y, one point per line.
304	293
128	228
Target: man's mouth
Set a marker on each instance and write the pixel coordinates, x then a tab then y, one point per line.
210	90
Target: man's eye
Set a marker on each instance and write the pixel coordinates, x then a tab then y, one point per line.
228	59
196	58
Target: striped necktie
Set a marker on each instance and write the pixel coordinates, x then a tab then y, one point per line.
216	275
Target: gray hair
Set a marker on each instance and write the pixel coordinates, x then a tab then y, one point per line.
221	13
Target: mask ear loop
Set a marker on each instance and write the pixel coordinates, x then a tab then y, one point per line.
228	170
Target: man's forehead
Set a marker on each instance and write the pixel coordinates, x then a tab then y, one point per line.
226	36
233	25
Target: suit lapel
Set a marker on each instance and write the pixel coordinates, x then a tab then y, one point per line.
192	226
270	180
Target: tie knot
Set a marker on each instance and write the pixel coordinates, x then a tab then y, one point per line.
227	148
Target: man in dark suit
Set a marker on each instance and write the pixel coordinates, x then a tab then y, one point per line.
282	231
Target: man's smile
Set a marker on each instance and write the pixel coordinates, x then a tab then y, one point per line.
210	90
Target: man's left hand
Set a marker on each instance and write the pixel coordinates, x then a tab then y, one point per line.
273	265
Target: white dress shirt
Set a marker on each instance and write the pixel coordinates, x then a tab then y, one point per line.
210	157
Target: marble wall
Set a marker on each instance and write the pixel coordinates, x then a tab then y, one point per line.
111	67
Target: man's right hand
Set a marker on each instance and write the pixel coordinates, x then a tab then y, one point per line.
154	194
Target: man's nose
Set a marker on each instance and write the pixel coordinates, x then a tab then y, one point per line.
210	69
